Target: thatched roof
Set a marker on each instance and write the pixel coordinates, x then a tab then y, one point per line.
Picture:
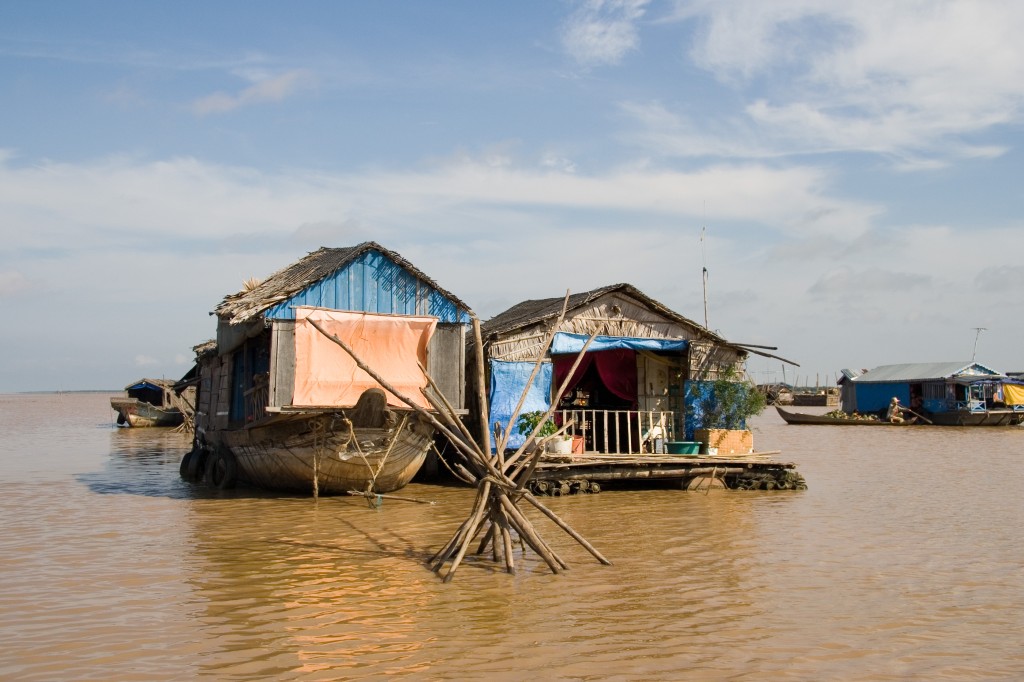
205	348
157	383
533	312
312	268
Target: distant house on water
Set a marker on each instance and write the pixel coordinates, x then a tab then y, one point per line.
955	393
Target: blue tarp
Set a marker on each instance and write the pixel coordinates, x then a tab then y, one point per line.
508	379
699	395
695	394
573	343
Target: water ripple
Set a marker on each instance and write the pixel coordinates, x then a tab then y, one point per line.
901	561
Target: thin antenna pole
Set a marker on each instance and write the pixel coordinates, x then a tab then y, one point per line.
704	263
977	333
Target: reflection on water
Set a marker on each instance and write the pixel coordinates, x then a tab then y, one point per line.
901	561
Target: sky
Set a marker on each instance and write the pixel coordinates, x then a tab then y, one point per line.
850	174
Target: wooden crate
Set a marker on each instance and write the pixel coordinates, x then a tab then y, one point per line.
724	442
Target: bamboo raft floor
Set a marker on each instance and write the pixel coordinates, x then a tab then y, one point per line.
639	467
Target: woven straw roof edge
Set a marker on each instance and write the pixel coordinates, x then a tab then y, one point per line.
532	312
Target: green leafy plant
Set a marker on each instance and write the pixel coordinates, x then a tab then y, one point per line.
528	422
727	402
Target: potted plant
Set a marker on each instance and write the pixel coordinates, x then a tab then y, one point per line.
528	422
719	411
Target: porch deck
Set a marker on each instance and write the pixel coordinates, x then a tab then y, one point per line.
581	472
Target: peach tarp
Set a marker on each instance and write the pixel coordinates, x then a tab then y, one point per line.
391	345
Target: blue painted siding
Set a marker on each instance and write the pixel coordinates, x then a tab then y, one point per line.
874	397
373	283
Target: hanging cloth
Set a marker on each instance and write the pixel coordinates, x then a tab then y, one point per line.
616	369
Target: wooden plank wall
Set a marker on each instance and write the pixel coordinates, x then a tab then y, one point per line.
446	362
282	363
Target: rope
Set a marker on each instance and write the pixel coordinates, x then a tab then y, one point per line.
319	438
372	483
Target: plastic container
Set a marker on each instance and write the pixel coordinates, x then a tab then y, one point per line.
682	447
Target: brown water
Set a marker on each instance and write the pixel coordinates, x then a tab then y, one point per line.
903	560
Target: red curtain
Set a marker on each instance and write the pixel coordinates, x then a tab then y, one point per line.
616	368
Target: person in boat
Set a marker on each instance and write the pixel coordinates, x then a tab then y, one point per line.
894	414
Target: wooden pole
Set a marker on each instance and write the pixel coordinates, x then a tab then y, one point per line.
495	513
481	387
472	530
536	369
557	397
567	528
455	440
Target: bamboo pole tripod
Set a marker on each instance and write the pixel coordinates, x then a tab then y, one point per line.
496	519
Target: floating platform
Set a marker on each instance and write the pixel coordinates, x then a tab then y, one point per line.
590	472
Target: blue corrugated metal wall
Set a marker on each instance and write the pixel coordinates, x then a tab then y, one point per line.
874	397
373	283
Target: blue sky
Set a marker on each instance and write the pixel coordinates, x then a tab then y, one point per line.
856	167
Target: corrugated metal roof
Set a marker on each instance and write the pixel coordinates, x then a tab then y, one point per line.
314	267
921	371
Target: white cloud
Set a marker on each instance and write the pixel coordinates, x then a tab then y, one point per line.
265	89
558	163
900	79
847	281
12	283
602	32
999	279
494	235
120	201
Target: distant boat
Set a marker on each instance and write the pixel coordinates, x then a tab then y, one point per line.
863	420
940	393
151	402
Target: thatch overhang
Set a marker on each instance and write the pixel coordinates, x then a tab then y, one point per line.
205	349
248	304
537	314
534	312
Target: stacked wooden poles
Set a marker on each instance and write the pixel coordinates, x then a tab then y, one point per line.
500	481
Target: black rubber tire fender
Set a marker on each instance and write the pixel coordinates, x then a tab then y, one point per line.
222	470
185	461
197	465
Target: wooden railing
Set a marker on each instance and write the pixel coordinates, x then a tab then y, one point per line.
621	432
256	399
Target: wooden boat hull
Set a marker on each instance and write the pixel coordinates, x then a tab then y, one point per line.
985	418
288	452
803	418
960	418
137	413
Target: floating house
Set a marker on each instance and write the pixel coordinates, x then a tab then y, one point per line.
282	404
635	387
153	402
946	393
